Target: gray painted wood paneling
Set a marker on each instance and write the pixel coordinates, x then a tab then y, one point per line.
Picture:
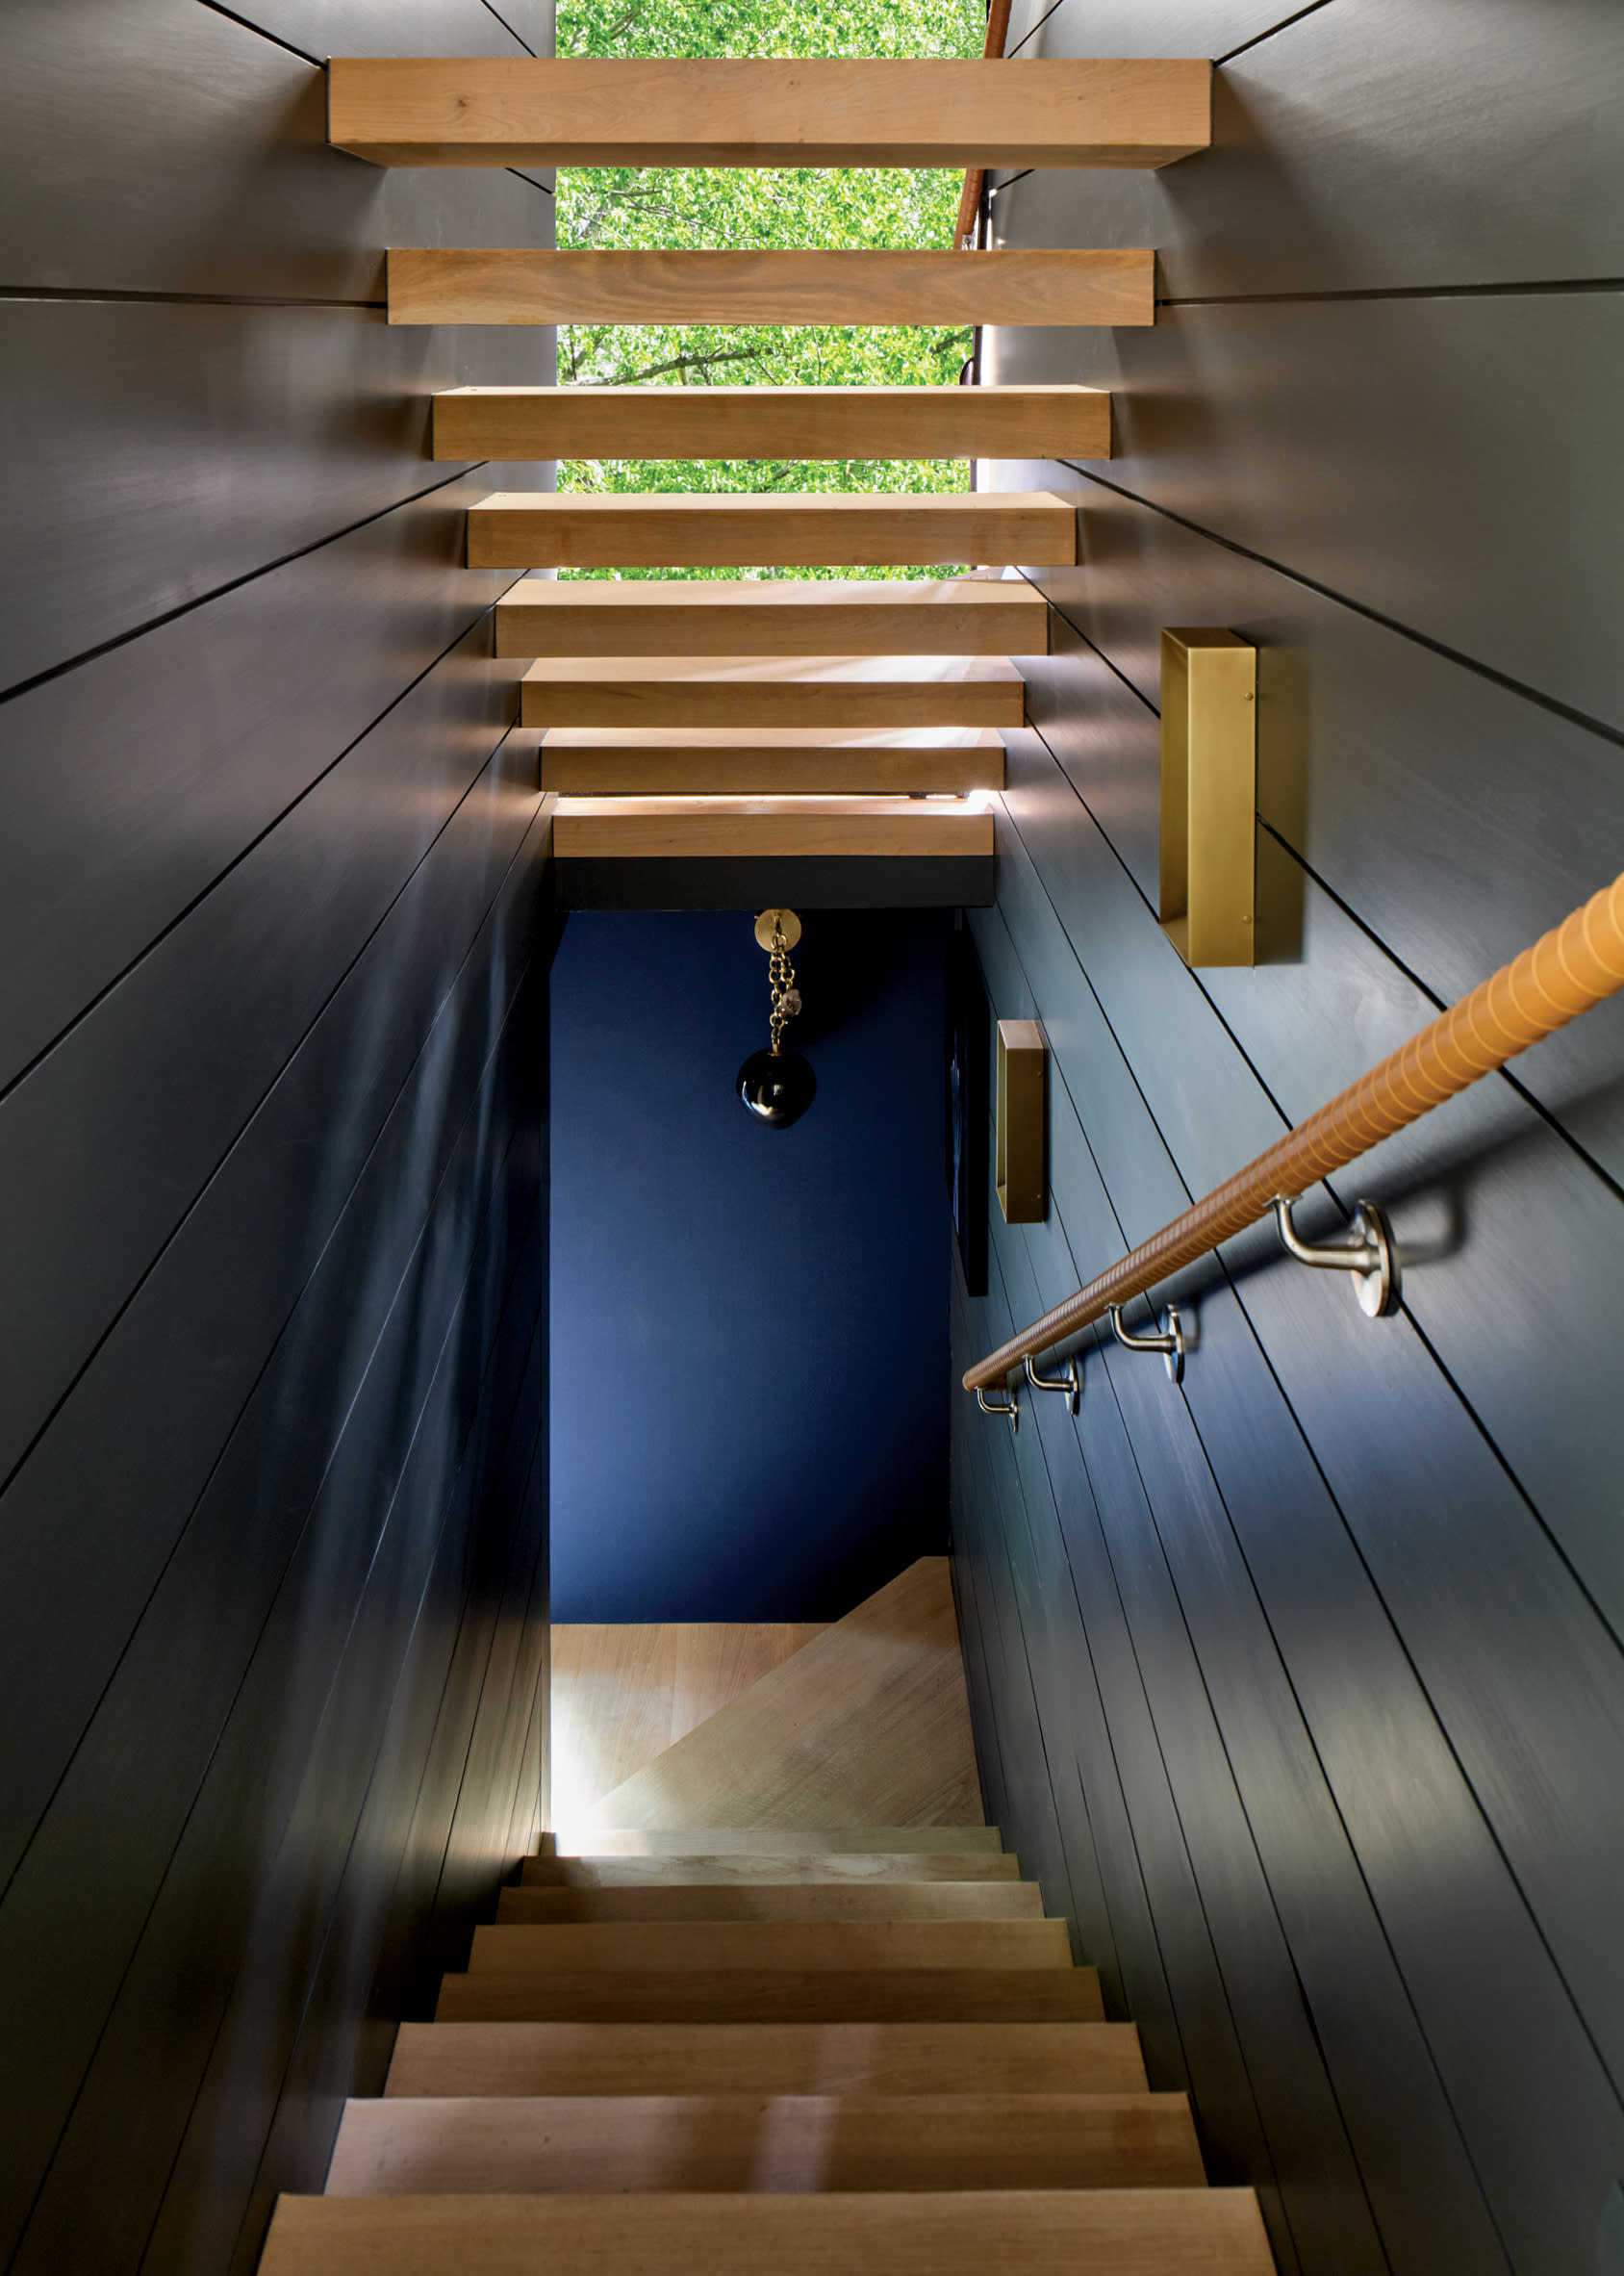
1385	449
1368	146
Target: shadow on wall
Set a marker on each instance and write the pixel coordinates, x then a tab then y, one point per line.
749	1325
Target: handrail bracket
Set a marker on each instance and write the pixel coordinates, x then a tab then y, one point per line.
1170	1340
1068	1383
1370	1255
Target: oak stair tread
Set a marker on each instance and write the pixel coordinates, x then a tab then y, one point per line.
736	1868
791	1841
743	762
801	422
786	2057
508	1949
705	1900
523	285
763	111
706	828
772	616
772	691
720	529
765	2143
773	1995
958	2232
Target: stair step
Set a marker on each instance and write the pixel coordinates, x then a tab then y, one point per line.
743	762
700	1900
789	1841
717	530
753	1944
767	112
773	1995
772	2145
433	285
766	2059
861	1869
962	2232
772	616
774	692
720	828
804	423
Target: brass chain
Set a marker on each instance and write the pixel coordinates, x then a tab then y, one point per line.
780	979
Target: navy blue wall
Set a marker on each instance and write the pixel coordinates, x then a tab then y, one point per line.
750	1327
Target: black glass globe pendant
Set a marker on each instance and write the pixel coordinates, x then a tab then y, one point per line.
776	1086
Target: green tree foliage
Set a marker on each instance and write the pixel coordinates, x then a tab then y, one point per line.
638	208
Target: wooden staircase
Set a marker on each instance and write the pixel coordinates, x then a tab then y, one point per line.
680	2021
712	784
651	2052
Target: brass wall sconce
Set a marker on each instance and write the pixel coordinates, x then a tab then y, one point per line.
1209	796
1023	1056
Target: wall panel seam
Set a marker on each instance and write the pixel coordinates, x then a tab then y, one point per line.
180	916
186	608
1375	616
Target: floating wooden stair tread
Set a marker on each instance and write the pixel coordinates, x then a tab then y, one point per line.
773	1995
772	616
434	285
774	692
522	2059
682	529
962	2233
779	1900
677	829
791	1840
754	1944
743	762
931	111
525	423
777	2144
835	1868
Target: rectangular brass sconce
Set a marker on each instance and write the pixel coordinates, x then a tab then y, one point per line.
1022	1060
1209	796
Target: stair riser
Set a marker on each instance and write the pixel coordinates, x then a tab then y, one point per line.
774	1944
687	1842
763	2146
617	2058
896	1901
1038	2232
746	1995
844	1869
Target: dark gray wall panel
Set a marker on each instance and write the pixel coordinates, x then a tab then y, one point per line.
232	190
1154	28
322	1417
1366	740
262	1265
1362	1581
1314	434
296	1479
113	1195
164	450
1368	146
321	28
131	784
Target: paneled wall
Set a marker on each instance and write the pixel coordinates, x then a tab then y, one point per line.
748	1413
273	960
1301	1683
